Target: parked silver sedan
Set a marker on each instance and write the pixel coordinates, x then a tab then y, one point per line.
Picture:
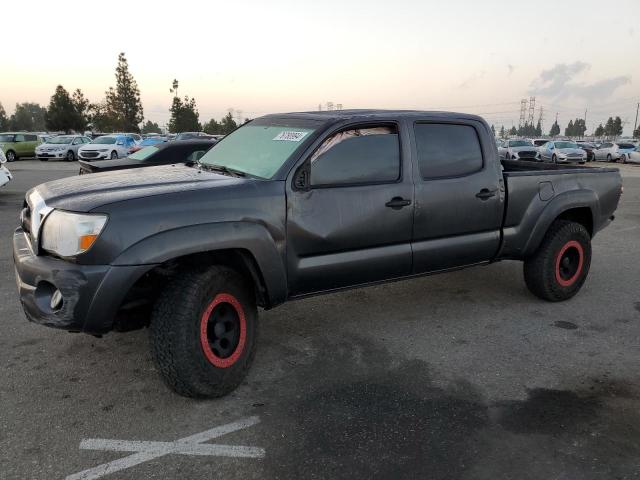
61	147
562	151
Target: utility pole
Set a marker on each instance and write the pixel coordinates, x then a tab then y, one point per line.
585	123
635	124
541	119
532	110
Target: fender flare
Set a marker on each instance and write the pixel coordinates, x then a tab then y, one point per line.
556	207
250	236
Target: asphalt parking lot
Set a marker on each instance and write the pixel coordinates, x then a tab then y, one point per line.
458	376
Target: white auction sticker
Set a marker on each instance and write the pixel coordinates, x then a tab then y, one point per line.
290	136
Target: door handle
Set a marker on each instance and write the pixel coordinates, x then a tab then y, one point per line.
486	194
397	203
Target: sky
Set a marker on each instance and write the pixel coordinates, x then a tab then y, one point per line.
258	57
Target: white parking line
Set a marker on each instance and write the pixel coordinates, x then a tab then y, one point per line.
145	451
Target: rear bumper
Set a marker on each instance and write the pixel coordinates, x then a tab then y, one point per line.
91	294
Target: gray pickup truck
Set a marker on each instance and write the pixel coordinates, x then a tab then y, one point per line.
291	205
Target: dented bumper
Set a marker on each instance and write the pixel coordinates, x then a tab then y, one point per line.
90	294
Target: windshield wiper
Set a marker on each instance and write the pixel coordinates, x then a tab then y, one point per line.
222	169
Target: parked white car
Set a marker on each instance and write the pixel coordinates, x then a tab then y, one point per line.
63	147
106	147
5	174
631	157
562	151
612	151
517	150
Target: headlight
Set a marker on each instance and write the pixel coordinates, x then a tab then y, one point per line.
57	149
68	234
103	149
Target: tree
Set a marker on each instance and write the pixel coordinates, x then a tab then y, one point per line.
184	116
81	105
28	116
513	131
493	130
123	101
61	114
212	127
501	131
538	129
102	118
599	132
555	129
636	132
617	127
608	127
228	124
569	132
4	120
151	127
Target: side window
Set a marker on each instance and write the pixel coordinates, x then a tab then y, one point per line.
19	138
357	156
31	138
77	141
195	156
446	150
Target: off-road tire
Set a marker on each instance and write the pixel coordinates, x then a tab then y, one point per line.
543	271
178	340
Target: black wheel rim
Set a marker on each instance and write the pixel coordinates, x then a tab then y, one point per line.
223	330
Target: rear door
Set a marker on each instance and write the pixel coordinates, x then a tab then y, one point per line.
351	223
458	194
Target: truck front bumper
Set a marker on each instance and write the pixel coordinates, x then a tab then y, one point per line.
65	295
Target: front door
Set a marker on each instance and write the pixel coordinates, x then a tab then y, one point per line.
459	196
352	222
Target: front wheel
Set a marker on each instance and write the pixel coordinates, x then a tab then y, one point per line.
204	329
560	266
114	155
70	156
554	159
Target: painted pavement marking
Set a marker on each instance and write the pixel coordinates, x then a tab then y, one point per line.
145	451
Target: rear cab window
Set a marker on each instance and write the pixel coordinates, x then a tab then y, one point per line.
447	150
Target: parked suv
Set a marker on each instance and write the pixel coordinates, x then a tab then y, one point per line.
612	151
107	146
61	147
18	144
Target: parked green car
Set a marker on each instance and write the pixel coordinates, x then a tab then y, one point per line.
18	144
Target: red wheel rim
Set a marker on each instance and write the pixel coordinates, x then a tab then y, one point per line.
569	263
222	300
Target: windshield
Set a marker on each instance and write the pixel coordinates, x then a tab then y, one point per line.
520	143
258	150
143	153
187	136
566	145
626	145
6	138
62	139
105	140
151	141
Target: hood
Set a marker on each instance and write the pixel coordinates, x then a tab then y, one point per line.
568	151
526	148
83	193
52	146
97	146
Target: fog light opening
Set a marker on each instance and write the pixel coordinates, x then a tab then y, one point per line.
56	300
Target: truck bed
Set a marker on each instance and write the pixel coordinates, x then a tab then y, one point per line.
535	190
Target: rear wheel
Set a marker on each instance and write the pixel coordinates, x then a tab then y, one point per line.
609	157
203	330
560	266
11	156
623	158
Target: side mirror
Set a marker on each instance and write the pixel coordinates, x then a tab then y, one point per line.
301	180
119	143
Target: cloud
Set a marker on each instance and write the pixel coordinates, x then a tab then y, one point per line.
558	83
